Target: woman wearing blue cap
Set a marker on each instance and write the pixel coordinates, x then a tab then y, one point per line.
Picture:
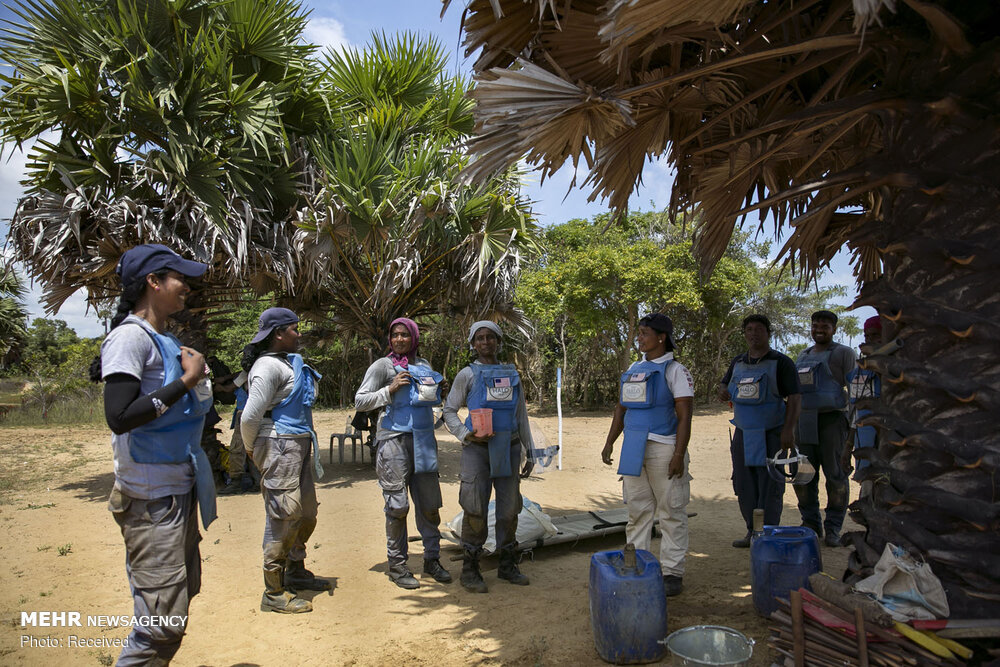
155	399
406	388
277	430
490	460
654	410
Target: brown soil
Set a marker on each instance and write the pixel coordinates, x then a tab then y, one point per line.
60	550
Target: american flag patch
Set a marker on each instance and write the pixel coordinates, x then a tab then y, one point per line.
501	382
637	377
427	380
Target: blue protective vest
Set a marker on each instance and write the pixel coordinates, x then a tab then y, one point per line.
175	436
757	406
410	412
293	416
497	387
862	384
649	409
241	402
820	393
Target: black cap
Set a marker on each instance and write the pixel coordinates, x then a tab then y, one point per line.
271	319
142	260
661	323
825	315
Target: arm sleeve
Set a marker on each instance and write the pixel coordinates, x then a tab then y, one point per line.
679	380
788	377
264	382
456	399
374	390
845	361
125	408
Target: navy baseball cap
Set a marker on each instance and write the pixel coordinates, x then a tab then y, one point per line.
661	323
271	319
142	260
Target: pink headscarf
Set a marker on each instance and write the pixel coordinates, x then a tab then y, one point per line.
404	359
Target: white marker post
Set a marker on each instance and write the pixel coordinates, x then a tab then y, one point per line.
559	411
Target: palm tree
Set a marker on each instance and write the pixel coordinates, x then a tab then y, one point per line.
155	121
871	125
388	230
208	125
13	315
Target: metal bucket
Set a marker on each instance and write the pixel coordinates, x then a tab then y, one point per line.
709	645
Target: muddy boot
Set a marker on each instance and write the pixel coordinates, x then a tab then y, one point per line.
298	578
234	487
402	577
277	599
472	578
508	568
433	567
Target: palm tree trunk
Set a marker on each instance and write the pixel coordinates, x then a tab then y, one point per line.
937	491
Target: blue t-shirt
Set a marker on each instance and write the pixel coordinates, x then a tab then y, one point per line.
129	349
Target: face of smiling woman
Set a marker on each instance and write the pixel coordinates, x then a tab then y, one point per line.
652	343
484	342
169	293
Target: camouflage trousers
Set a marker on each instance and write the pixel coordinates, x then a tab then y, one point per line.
289	492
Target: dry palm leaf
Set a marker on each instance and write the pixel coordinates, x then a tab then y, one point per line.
535	113
628	22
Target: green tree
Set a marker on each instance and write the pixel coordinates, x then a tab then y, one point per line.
13	314
210	127
48	342
172	122
67	379
390	230
587	292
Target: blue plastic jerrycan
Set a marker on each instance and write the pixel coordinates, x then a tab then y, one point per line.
781	560
628	606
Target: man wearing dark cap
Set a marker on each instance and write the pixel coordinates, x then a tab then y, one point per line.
763	387
864	385
823	425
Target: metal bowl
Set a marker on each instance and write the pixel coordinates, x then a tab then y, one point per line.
709	645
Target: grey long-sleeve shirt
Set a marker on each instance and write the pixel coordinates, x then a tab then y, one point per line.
457	399
373	394
271	380
842	360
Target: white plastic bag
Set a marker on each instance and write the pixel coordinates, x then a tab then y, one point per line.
532	524
908	589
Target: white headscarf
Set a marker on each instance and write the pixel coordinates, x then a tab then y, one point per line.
484	324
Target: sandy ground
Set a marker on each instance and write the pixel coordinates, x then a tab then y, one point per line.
60	550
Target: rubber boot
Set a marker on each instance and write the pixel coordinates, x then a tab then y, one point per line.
508	569
472	578
277	599
298	578
402	577
433	567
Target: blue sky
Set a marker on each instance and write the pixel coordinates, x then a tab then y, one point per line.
339	24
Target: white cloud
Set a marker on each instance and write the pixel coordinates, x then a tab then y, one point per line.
657	184
73	312
11	172
326	32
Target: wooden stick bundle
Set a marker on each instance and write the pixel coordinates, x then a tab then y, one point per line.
801	640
